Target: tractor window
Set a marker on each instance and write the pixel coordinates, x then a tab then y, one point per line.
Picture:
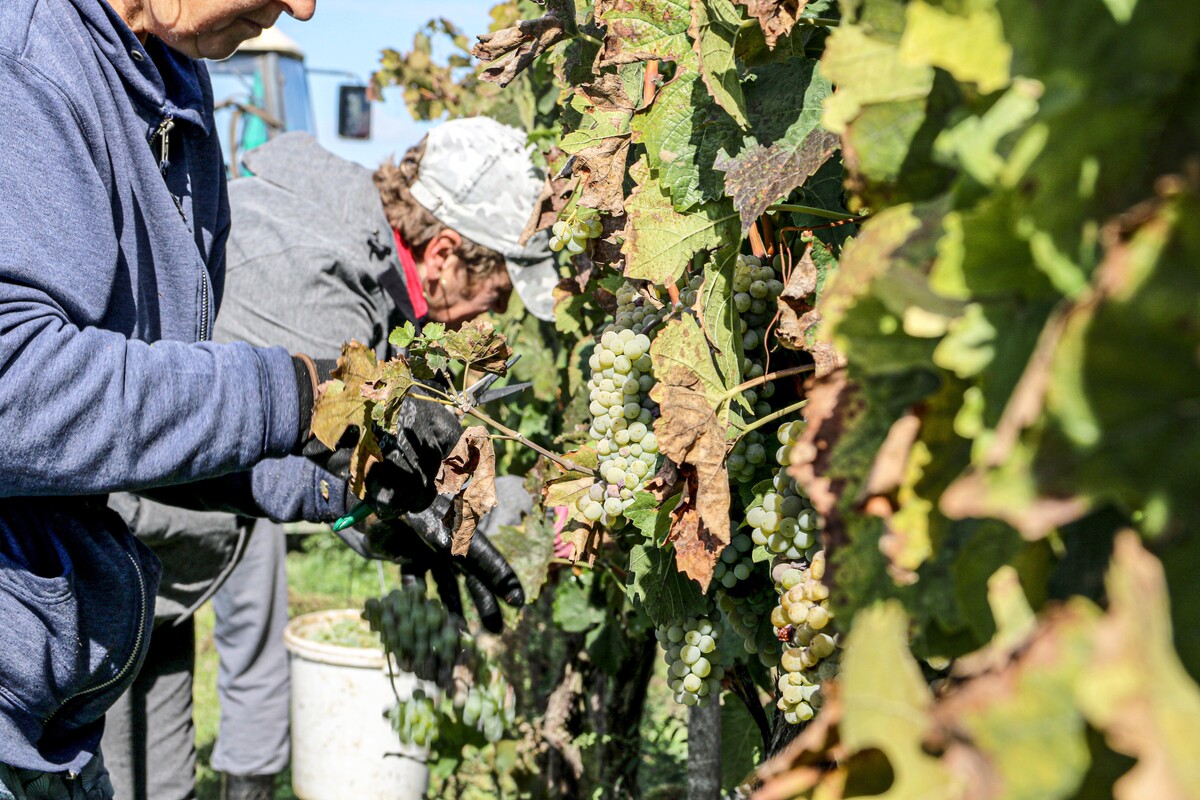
297	110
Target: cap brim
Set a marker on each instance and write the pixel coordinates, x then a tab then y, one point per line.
535	282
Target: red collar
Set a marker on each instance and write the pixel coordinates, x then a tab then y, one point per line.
412	280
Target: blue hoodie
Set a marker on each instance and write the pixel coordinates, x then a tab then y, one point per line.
113	216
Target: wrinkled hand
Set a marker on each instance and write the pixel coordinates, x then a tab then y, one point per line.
420	543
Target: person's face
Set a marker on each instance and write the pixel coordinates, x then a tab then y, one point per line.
215	28
455	295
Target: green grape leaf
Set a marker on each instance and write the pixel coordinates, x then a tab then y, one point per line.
683	131
720	318
1136	690
651	516
887	702
660	243
741	744
714	32
970	47
573	609
528	548
665	593
867	70
640	30
402	336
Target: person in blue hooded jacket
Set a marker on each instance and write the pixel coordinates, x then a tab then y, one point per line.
113	222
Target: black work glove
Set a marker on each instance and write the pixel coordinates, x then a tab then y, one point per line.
420	543
404	480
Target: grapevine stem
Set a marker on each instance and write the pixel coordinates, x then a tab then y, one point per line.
565	463
650	83
770	376
769	418
756	242
819	22
812	211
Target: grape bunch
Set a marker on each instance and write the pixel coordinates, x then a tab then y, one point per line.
802	621
416	720
689	292
735	563
422	636
691	650
574	232
755	290
621	409
750	618
488	706
781	518
747	456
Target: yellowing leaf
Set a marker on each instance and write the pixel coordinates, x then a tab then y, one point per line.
971	47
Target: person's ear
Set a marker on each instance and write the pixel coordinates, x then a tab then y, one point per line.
438	250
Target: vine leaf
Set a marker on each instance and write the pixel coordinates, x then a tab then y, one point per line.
659	243
692	435
684	131
566	494
775	17
478	344
785	146
665	593
600	143
342	403
640	30
1136	689
524	42
720	318
970	47
714	30
799	320
472	463
387	391
867	70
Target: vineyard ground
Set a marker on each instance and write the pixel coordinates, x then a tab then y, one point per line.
328	577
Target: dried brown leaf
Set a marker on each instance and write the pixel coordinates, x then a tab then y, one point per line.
342	403
525	41
691	435
834	406
473	459
775	17
762	174
799	322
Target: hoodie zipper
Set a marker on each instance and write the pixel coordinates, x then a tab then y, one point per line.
163	134
133	657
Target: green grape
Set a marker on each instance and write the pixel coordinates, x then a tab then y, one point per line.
690	652
416	720
811	652
417	631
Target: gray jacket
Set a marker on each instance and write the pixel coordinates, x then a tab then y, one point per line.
310	263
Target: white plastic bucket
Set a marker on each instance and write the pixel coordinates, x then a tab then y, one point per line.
342	743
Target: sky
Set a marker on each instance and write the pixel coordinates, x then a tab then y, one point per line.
349	35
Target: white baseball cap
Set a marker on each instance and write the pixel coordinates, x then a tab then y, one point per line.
476	177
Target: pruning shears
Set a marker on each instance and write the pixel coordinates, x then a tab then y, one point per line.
477	394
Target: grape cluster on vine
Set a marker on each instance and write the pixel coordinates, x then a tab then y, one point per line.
802	620
781	517
574	232
691	652
750	618
756	290
621	408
